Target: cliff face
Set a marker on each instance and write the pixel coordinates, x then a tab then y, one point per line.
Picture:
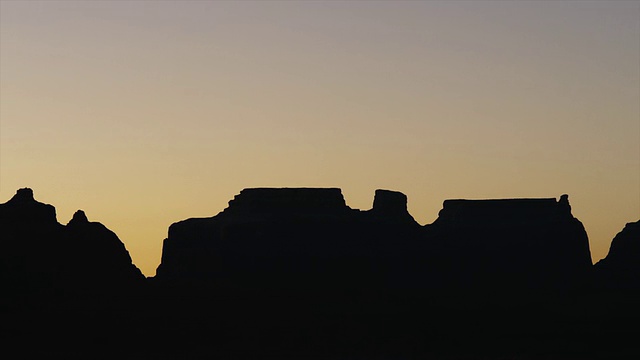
266	235
290	237
39	254
620	269
510	244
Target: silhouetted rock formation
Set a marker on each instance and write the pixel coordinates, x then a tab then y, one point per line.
309	238
24	209
300	261
30	235
39	254
391	206
620	269
296	273
98	255
288	200
291	238
510	244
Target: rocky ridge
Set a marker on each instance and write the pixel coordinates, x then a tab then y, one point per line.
517	243
40	254
296	273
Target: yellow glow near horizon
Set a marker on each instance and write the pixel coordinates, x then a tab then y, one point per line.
146	113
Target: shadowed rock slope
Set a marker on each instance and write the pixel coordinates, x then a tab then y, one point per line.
620	269
294	239
38	254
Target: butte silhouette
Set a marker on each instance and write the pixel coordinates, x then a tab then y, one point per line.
296	273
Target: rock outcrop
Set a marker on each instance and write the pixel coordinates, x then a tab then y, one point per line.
98	256
23	209
266	235
38	254
391	206
290	238
510	244
620	269
30	236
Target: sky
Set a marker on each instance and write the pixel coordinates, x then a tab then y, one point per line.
145	113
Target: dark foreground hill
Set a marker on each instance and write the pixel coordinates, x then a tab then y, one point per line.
40	255
296	273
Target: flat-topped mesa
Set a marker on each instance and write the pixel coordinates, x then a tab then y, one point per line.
507	243
279	200
390	202
303	229
504	211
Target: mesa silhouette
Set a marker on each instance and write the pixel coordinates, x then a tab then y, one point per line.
296	273
302	239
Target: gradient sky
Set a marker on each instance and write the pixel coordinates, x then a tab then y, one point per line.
144	113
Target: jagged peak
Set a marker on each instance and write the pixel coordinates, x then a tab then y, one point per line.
23	195
79	217
564	203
